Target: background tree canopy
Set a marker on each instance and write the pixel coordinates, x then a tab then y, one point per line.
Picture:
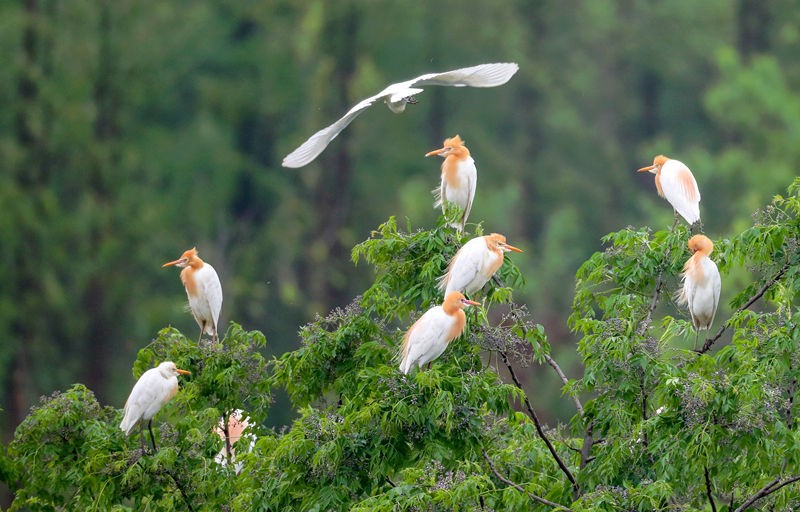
133	130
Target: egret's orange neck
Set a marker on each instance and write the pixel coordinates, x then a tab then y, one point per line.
450	165
187	274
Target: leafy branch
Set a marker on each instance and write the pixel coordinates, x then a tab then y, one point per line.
518	487
760	293
766	491
538	423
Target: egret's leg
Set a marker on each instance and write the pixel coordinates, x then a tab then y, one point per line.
152	438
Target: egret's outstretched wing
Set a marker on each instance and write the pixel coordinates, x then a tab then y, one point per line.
483	75
310	149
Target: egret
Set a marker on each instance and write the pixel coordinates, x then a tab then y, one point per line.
237	424
701	284
475	263
203	289
396	96
676	183
154	388
459	177
429	336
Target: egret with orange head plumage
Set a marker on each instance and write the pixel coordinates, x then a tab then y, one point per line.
676	183
475	263
430	335
459	178
203	289
701	284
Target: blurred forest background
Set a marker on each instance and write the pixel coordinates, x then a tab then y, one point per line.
133	130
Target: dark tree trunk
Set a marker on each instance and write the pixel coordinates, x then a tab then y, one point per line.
754	24
332	195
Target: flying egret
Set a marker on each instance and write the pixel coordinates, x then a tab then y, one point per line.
429	336
475	263
701	284
396	96
154	388
676	183
459	178
203	289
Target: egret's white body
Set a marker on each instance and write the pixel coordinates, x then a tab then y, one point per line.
701	284
676	183
429	336
154	388
237	425
475	263
396	96
203	289
459	178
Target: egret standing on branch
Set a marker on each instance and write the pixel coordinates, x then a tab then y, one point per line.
475	263
154	388
203	289
459	178
396	96
676	183
701	284
428	338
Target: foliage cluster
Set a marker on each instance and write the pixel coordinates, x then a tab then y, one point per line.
657	426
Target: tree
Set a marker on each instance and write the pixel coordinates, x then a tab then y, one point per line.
657	426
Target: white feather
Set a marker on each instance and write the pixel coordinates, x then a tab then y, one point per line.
680	190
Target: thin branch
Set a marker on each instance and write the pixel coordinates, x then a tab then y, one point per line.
767	490
538	423
547	357
519	487
708	490
645	323
181	489
760	293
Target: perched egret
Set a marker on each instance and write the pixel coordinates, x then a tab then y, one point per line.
154	388
396	96
701	284
459	178
475	263
430	335
203	289
676	183
237	424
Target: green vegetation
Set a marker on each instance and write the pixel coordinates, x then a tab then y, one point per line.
132	130
655	426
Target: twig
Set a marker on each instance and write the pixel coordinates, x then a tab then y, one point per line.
760	293
547	357
645	323
766	491
538	423
519	487
181	489
708	490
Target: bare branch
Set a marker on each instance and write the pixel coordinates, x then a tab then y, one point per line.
538	424
548	358
181	489
766	491
760	293
708	490
519	487
645	323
